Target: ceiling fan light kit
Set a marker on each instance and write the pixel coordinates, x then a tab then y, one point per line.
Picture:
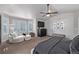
48	15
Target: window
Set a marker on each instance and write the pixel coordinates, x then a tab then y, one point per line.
23	26
5	23
30	26
16	25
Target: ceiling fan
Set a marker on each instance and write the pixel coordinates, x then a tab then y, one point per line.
49	12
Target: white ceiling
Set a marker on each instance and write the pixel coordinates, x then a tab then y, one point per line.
33	10
67	7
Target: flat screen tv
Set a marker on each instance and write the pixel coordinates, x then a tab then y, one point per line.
40	24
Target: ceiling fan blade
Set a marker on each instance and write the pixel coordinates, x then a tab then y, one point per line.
42	12
43	15
53	13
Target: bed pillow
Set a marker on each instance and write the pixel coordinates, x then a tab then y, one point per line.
13	34
58	35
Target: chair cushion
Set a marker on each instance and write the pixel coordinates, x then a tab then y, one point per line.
13	34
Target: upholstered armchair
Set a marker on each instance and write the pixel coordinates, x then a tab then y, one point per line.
28	37
14	38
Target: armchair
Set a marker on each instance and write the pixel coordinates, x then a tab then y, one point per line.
14	38
27	37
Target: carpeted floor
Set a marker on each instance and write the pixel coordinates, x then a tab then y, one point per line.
22	47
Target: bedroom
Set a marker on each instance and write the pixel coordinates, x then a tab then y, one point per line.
65	22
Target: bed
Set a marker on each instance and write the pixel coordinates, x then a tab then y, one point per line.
54	45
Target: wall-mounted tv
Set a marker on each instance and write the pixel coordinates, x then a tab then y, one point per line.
40	24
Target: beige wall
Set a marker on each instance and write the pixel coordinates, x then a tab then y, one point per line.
70	21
